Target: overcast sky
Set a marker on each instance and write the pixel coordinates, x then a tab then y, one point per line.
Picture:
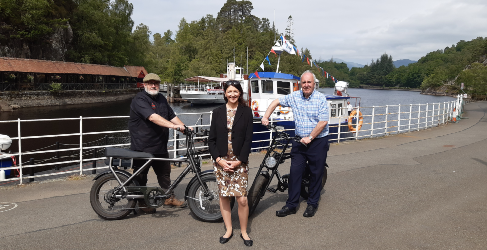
352	30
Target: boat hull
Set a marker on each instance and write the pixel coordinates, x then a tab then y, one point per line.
203	98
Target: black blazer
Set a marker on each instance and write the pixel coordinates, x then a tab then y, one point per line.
241	133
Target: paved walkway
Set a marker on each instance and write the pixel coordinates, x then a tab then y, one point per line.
421	190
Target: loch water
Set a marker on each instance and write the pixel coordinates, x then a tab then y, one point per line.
368	98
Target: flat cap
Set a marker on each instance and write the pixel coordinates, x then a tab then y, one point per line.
151	76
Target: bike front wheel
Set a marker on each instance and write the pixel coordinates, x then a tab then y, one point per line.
256	192
104	201
305	183
206	208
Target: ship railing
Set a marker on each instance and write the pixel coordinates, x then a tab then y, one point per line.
82	150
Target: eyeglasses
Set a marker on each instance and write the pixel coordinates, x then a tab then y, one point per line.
234	83
152	83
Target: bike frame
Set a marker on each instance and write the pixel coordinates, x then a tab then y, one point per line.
192	166
280	139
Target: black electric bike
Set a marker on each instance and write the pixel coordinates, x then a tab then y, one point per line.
276	154
115	191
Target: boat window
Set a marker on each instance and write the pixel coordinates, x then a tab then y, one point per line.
237	71
267	86
283	88
255	86
340	110
333	110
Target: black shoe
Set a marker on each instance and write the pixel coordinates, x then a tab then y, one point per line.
285	211
310	211
225	240
247	242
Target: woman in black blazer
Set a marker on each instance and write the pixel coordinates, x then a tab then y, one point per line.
229	143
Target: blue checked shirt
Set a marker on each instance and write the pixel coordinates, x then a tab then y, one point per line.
307	112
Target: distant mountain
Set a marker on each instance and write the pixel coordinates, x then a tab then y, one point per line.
349	64
403	62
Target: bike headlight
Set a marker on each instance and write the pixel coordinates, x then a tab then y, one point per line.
270	162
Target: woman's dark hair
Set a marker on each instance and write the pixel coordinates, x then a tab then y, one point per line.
237	85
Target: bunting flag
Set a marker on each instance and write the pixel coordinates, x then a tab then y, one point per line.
287	46
307	59
267	58
273	52
257	74
297	51
262	66
311	62
303	57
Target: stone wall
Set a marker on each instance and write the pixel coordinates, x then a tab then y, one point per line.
46	98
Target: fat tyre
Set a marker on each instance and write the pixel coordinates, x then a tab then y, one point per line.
202	207
256	192
305	183
100	197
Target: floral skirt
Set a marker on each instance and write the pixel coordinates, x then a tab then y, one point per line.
232	183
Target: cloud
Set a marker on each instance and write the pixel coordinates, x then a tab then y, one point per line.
352	30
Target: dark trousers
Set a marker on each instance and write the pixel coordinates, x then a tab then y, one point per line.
314	157
161	168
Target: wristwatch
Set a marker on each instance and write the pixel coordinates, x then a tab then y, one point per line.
310	138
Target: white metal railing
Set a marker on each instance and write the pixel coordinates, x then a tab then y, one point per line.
377	121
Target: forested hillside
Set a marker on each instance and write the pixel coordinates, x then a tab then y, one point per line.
101	32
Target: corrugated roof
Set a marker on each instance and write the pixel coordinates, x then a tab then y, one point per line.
57	67
134	71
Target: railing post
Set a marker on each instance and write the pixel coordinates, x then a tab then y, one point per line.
93	171
31	170
176	146
175	143
443	113
387	111
419	115
410	114
272	122
339	128
356	125
399	119
372	123
20	151
432	115
81	145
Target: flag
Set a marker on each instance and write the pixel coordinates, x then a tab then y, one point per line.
262	66
297	51
303	57
257	74
267	58
273	52
287	46
307	59
311	62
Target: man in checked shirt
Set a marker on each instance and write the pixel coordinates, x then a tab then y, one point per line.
310	110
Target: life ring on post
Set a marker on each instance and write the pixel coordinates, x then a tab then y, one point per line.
351	123
283	111
255	105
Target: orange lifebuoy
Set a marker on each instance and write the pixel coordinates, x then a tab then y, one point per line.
255	105
351	123
296	86
283	111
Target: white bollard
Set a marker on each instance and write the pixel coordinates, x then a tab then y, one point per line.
2	175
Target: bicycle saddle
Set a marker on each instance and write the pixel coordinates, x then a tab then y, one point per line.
126	153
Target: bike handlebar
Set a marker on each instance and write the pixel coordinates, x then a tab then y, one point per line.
295	138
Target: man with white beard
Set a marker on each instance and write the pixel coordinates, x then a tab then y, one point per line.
150	120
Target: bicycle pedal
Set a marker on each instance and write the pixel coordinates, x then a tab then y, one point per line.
273	190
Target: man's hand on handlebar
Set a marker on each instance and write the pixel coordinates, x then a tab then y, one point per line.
181	128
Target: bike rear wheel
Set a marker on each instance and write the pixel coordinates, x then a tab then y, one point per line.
104	202
256	192
306	180
205	208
